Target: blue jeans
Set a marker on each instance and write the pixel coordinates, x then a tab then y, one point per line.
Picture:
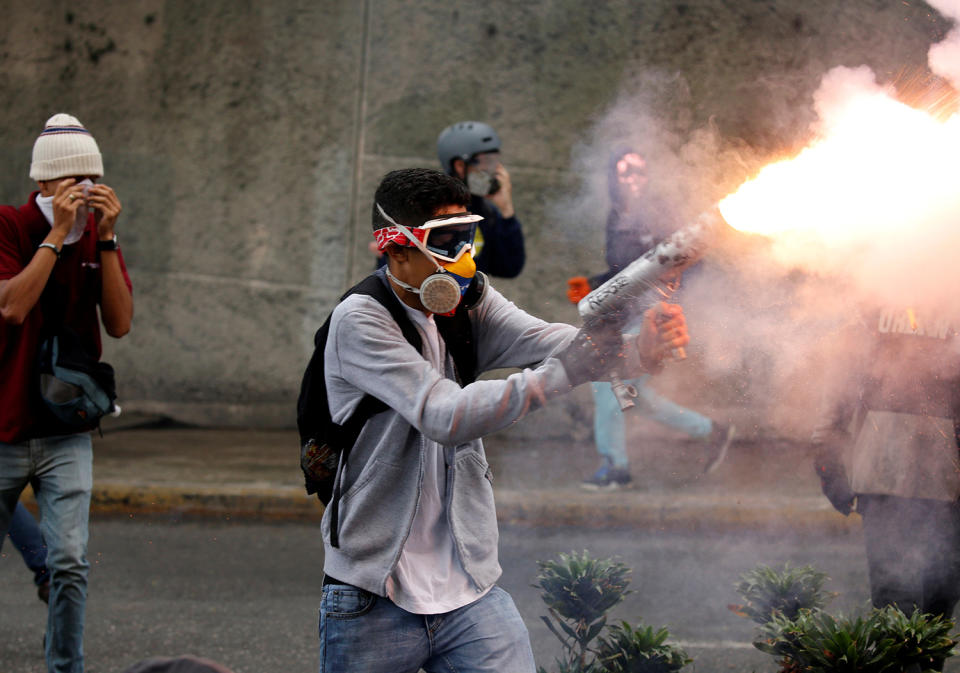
364	633
609	425
25	536
61	469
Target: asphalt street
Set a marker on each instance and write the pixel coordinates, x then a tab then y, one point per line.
246	593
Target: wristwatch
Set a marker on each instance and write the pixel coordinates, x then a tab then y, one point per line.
56	250
108	245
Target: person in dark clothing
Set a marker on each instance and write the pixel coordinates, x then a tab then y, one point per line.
886	447
470	151
633	228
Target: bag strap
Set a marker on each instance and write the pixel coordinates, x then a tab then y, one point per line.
457	333
375	287
345	436
53	306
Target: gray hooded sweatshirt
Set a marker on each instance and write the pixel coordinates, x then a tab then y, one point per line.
380	484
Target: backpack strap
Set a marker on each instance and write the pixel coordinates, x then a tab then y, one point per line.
375	286
314	381
457	333
346	435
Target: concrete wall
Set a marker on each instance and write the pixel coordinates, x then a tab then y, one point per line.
245	140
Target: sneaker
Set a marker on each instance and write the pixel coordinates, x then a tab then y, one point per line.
607	478
718	441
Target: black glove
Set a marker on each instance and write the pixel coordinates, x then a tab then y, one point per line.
593	355
833	481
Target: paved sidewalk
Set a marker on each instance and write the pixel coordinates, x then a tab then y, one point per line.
144	466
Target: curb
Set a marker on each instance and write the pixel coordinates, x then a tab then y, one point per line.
535	508
215	501
673	512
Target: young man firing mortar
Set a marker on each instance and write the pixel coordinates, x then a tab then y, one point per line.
410	577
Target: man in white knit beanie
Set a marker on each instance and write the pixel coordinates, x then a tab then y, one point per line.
61	275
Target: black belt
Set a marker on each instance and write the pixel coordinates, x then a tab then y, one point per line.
333	580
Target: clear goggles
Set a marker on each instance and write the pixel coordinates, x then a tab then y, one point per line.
445	238
450	237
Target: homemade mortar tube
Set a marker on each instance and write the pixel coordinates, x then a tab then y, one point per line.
633	286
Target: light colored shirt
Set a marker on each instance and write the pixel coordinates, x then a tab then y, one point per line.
429	578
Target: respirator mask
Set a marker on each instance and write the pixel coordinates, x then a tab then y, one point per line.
447	241
481	175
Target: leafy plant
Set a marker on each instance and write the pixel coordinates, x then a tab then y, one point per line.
925	640
768	592
818	641
639	650
578	591
885	641
788	605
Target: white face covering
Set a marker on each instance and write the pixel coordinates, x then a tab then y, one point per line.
45	203
479	182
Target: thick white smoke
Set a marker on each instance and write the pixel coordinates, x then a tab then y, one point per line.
872	201
876	221
944	57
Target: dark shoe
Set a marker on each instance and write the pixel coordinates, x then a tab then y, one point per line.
43	591
718	442
607	478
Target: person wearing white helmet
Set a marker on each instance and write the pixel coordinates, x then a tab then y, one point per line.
470	151
61	275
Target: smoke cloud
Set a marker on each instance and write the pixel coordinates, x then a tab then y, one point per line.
944	57
866	215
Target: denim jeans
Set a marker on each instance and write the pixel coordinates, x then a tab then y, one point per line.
25	536
61	470
364	633
609	424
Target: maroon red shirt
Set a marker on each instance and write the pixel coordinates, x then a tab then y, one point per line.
76	279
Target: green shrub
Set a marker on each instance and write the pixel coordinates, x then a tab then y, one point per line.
788	606
768	592
579	591
884	641
640	650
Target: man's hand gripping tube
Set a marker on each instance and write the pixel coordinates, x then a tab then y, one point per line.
615	299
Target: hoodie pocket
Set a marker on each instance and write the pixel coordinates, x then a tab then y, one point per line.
473	515
373	509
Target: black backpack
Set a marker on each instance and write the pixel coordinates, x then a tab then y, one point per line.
324	445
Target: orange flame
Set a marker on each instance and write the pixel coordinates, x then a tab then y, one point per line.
876	165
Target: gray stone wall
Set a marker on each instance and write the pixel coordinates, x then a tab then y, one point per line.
245	140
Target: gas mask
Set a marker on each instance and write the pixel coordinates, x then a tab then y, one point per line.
448	242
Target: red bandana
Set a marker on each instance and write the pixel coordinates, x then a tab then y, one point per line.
392	234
